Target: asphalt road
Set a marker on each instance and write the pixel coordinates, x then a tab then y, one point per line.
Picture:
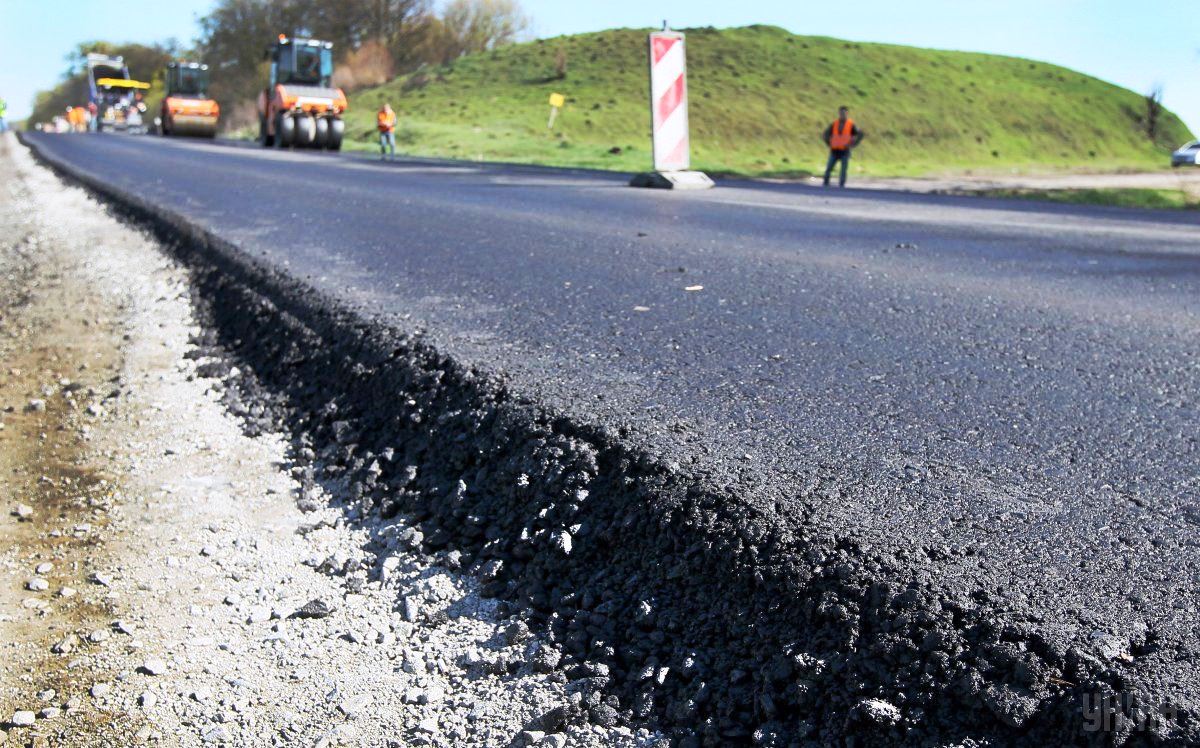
1016	378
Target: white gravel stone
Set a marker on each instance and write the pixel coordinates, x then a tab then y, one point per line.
98	636
431	695
218	734
154	666
259	614
65	645
353	705
412	609
201	694
429	725
23	718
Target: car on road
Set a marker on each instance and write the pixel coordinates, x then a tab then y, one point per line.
1187	154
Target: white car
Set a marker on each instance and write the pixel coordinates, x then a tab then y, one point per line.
1187	155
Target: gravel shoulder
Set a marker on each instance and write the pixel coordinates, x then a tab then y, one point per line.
210	606
1186	180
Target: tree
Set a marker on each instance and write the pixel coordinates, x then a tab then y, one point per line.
143	60
1154	109
479	25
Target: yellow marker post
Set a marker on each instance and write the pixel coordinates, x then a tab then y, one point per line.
557	101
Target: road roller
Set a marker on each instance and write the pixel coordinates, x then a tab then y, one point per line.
300	107
186	107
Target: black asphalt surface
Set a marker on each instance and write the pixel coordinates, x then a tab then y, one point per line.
1003	396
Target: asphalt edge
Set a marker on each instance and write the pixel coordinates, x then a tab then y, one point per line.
701	614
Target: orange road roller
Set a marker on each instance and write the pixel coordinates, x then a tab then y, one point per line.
300	107
187	108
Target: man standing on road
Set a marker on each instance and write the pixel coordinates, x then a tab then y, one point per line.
386	121
76	116
841	137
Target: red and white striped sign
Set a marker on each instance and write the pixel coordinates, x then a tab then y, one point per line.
668	101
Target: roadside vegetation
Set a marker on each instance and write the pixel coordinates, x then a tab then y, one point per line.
759	98
1126	197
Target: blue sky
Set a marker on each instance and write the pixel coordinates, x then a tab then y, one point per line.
1133	44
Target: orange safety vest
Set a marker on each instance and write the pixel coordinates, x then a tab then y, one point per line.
840	141
386	120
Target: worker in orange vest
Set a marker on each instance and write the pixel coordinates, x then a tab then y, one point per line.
841	137
77	116
386	121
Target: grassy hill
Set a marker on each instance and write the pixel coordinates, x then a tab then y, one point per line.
760	96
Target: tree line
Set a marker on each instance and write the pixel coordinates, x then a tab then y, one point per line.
374	40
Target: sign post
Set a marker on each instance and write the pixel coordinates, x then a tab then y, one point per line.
670	140
557	101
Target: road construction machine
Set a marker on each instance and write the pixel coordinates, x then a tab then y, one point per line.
187	108
300	107
116	96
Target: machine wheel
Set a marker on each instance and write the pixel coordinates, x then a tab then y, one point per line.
285	130
306	130
337	128
321	135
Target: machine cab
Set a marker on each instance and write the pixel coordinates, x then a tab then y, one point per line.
187	80
304	62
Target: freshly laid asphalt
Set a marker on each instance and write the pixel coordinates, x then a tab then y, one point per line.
1016	378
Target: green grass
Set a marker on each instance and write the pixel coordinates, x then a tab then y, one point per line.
1125	197
760	97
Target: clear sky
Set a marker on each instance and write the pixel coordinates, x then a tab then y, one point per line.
1134	44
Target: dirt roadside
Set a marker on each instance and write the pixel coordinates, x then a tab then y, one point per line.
1185	180
205	607
59	348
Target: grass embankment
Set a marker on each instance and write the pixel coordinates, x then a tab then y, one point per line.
760	96
1129	197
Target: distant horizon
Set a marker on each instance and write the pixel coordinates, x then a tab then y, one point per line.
1134	49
